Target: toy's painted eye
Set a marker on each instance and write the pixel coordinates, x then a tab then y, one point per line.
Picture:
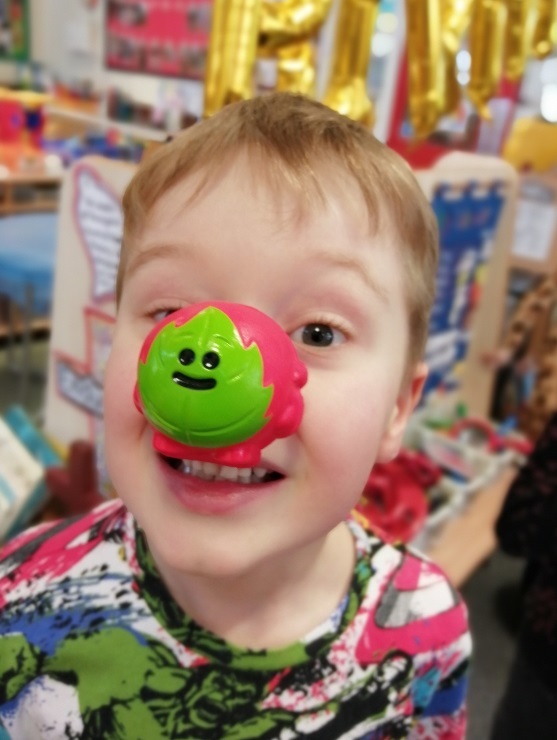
318	335
210	360
186	356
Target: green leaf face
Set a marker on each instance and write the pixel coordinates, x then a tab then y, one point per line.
201	386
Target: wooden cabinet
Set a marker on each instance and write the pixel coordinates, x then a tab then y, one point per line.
468	540
29	192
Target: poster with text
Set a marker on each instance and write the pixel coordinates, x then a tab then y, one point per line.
89	238
159	37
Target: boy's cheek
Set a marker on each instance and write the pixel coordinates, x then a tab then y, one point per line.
124	355
344	419
119	383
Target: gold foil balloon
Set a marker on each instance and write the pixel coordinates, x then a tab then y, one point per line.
455	19
213	77
518	37
296	68
544	36
288	21
346	91
486	35
425	81
232	52
286	30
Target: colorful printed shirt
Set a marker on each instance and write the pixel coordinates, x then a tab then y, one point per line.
92	645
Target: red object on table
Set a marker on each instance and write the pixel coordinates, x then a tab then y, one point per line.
12	121
75	487
394	500
488	438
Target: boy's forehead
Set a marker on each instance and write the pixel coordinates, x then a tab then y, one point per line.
355	253
242	188
286	196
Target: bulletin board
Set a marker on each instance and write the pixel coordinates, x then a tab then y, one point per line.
534	245
88	251
533	253
14	30
474	198
159	37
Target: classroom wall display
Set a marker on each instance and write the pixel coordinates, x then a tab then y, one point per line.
14	30
474	198
468	217
160	37
534	247
84	301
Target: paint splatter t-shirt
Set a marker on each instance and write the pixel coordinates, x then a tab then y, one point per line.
92	645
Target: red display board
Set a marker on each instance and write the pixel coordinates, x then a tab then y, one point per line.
160	37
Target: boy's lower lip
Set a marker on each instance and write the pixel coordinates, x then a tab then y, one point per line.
211	498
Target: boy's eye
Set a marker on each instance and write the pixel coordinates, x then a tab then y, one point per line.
318	335
163	313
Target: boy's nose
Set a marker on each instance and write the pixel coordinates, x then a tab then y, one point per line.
250	362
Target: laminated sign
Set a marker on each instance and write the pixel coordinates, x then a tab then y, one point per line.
87	263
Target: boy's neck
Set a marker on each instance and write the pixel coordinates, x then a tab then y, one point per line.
276	603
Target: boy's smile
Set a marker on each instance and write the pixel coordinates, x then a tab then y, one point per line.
205	488
338	292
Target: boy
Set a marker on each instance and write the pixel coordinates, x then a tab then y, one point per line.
203	606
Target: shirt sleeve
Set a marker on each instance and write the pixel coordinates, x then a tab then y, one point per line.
527	525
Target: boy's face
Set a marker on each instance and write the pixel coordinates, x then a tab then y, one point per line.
241	243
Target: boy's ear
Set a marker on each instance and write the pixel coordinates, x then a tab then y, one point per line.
405	404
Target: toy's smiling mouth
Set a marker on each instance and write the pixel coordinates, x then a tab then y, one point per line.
194	384
215	472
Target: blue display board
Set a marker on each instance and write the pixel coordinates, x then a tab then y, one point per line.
468	217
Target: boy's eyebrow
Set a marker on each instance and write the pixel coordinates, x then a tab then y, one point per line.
157	251
352	264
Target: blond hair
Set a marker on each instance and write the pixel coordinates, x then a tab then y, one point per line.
292	136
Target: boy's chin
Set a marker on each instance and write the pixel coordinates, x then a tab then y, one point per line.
214	557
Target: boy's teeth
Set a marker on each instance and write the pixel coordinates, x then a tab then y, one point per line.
228	473
196	467
212	471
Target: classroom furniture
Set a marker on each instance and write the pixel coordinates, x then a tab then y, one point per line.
27	264
29	192
467	541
